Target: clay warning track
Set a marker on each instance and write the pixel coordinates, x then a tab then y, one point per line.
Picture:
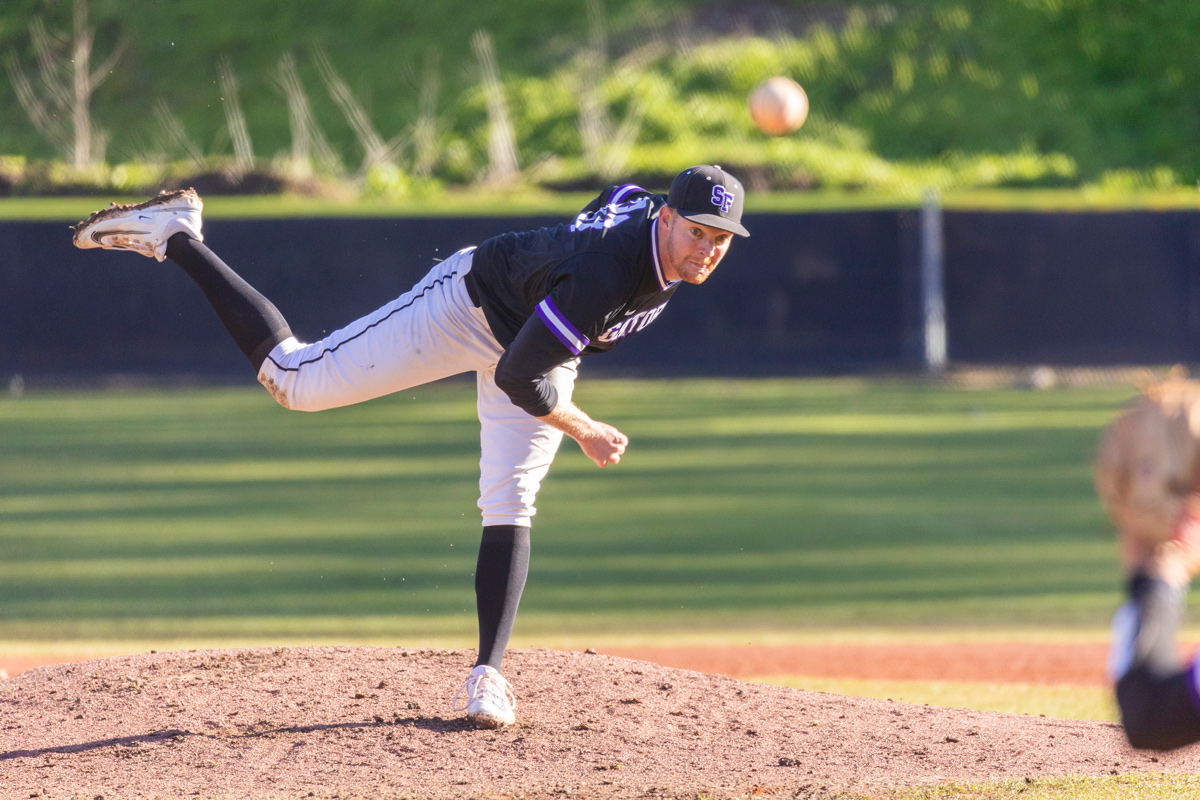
353	721
1080	664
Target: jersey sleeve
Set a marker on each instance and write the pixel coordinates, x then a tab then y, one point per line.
521	371
577	310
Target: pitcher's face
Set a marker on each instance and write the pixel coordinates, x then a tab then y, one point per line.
689	251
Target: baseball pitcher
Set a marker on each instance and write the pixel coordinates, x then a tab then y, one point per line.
518	310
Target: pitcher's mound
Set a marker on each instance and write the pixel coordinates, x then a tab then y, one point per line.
376	722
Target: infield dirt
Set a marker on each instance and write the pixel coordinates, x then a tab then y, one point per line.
351	722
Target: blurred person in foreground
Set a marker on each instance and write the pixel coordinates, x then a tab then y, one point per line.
1148	477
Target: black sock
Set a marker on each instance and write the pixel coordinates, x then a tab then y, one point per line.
254	323
499	580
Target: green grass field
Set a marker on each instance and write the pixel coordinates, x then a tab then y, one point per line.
756	507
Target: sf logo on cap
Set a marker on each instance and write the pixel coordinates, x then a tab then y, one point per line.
722	198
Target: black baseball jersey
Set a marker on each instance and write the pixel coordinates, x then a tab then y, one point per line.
575	289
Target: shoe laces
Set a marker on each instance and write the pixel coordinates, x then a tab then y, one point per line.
488	685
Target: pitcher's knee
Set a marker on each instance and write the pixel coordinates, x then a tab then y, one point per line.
277	391
522	517
506	509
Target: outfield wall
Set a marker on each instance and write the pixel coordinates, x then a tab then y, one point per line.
1078	288
812	292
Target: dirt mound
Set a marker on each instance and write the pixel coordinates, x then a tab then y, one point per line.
352	722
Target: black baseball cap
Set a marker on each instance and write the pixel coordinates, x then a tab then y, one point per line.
710	196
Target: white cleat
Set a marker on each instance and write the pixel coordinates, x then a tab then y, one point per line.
490	701
143	228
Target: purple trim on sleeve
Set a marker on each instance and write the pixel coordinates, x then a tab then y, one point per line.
561	327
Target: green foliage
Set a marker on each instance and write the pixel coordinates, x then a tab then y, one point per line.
1108	83
928	94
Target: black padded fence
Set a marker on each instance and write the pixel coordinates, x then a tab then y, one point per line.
807	293
1073	289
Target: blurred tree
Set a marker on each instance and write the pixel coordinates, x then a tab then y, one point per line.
64	87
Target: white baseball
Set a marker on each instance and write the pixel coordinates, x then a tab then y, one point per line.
778	106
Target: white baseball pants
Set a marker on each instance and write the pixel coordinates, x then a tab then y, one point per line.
429	333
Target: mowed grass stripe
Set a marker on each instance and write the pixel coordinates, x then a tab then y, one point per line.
742	505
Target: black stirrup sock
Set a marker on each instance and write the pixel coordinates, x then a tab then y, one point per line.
499	580
254	323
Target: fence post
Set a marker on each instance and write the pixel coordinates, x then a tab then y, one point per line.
933	303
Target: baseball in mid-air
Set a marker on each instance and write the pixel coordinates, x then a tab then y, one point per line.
778	106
